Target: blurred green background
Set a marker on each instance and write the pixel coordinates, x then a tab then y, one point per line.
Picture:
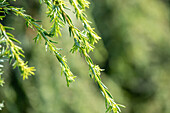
134	51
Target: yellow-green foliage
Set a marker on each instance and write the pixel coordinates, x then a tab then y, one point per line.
84	41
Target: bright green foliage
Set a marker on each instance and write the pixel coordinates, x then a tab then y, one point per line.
15	52
83	41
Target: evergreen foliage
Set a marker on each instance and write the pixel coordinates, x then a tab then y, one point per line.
84	41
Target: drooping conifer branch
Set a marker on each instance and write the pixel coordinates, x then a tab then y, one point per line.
84	41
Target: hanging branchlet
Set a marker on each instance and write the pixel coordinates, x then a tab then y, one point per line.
79	6
83	41
65	68
49	44
55	16
15	53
